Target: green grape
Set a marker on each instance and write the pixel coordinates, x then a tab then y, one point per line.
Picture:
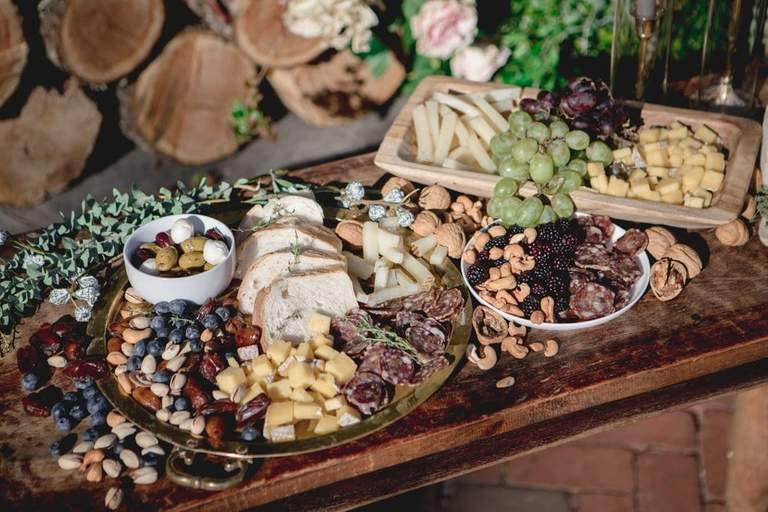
510	209
553	186
501	144
562	205
577	139
542	168
494	207
509	168
578	165
519	119
523	150
558	129
598	151
559	152
538	131
571	180
505	187
547	215
529	212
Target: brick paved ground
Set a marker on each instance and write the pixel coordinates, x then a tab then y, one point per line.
673	462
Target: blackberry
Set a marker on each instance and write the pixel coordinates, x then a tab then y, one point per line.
561	262
562	302
541	273
556	284
539	289
482	256
499	241
529	305
570	241
514	230
525	277
477	274
542	251
548	232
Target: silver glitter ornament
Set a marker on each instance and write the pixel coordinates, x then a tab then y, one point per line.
89	294
33	260
4	237
88	282
354	190
376	212
394	196
82	313
404	217
59	296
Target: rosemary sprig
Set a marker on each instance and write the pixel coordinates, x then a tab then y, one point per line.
373	334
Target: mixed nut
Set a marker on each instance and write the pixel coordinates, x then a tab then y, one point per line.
676	263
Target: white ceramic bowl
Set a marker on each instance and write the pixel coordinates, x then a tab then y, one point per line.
196	288
637	292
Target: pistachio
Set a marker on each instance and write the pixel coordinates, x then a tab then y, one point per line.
148	364
127	349
162	414
92	456
124	430
114	418
105	441
191	260
120	369
57	361
144	476
198	425
145	439
94	473
171	351
111	467
70	461
133	296
193	244
129	458
186	425
156	449
178	417
125	383
139	322
166	258
136	335
177	382
114	498
82	447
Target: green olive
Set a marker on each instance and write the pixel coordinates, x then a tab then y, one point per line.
166	258
192	260
150	246
208	266
193	244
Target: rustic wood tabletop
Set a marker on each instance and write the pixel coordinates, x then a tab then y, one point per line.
710	340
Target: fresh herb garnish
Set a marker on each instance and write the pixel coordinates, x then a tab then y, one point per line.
373	334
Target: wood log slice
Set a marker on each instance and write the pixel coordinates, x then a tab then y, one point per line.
215	14
100	41
180	105
260	32
13	49
47	145
337	90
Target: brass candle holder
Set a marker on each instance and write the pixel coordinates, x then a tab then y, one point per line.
645	28
723	94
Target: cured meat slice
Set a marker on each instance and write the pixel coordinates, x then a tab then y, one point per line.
632	242
391	364
623	270
593	256
445	305
346	333
591	301
593	235
428	369
621	299
605	224
578	277
427	336
367	392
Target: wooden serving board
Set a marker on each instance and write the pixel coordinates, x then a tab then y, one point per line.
741	136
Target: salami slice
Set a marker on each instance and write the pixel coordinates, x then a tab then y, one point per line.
621	299
592	300
593	235
391	364
593	256
405	319
428	369
427	336
345	331
605	224
446	305
367	392
632	242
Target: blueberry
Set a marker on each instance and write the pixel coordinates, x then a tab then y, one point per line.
192	332
83	383
162	308
162	332
64	424
196	346
223	312
176	336
155	348
59	409
150	459
180	323
90	392
63	445
97	404
157	322
250	434
134	363
178	306
92	433
140	349
29	381
78	412
181	404
162	376
210	321
72	397
117	447
98	418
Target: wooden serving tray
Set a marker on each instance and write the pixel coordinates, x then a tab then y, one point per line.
740	136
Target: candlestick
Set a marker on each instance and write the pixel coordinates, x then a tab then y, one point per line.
646	9
724	94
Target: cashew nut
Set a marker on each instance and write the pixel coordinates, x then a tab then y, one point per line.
521	292
488	359
536	346
552	348
530	235
505	382
548	307
517	330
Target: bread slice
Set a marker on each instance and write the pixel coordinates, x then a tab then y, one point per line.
302	207
274	265
291	234
283	308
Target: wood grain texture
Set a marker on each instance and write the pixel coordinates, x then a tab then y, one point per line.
13	49
655	356
741	136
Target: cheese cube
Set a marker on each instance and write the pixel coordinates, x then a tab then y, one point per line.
595	169
285	366
279	390
712	180
655	146
326	425
659	172
304	352
325	352
691	177
696	159
668	185
599	183
318	364
663	134
637	173
252	392
704	194
706	135
319	324
347	416
674	197
678	133
260	367
301	375
334	404
653	195
675	124
304	411
708	148
631	193
278	351
279	413
320	340
646	135
715	161
325	384
639	186
617	187
342	367
657	159
676	160
301	395
280	434
690	142
229	378
694	202
622	154
653	180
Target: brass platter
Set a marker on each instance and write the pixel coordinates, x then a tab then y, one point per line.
406	399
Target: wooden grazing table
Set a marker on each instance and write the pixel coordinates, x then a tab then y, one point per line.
711	340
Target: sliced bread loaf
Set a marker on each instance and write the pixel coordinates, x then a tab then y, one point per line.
283	308
304	208
274	265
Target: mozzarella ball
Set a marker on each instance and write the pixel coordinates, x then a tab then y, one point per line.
181	230
215	251
149	266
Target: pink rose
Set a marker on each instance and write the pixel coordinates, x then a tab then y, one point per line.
478	63
443	26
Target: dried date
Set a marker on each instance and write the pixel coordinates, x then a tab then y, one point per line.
94	368
253	410
195	392
30	359
46	340
224	406
210	366
40	402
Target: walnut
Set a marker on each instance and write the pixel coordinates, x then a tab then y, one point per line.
452	237
397	182
425	223
490	326
668	277
733	234
435	197
351	231
687	256
467	224
659	240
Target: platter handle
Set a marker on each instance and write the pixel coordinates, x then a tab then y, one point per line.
180	469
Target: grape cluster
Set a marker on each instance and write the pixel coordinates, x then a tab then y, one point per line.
585	103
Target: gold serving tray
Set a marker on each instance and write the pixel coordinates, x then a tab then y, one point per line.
741	137
406	398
